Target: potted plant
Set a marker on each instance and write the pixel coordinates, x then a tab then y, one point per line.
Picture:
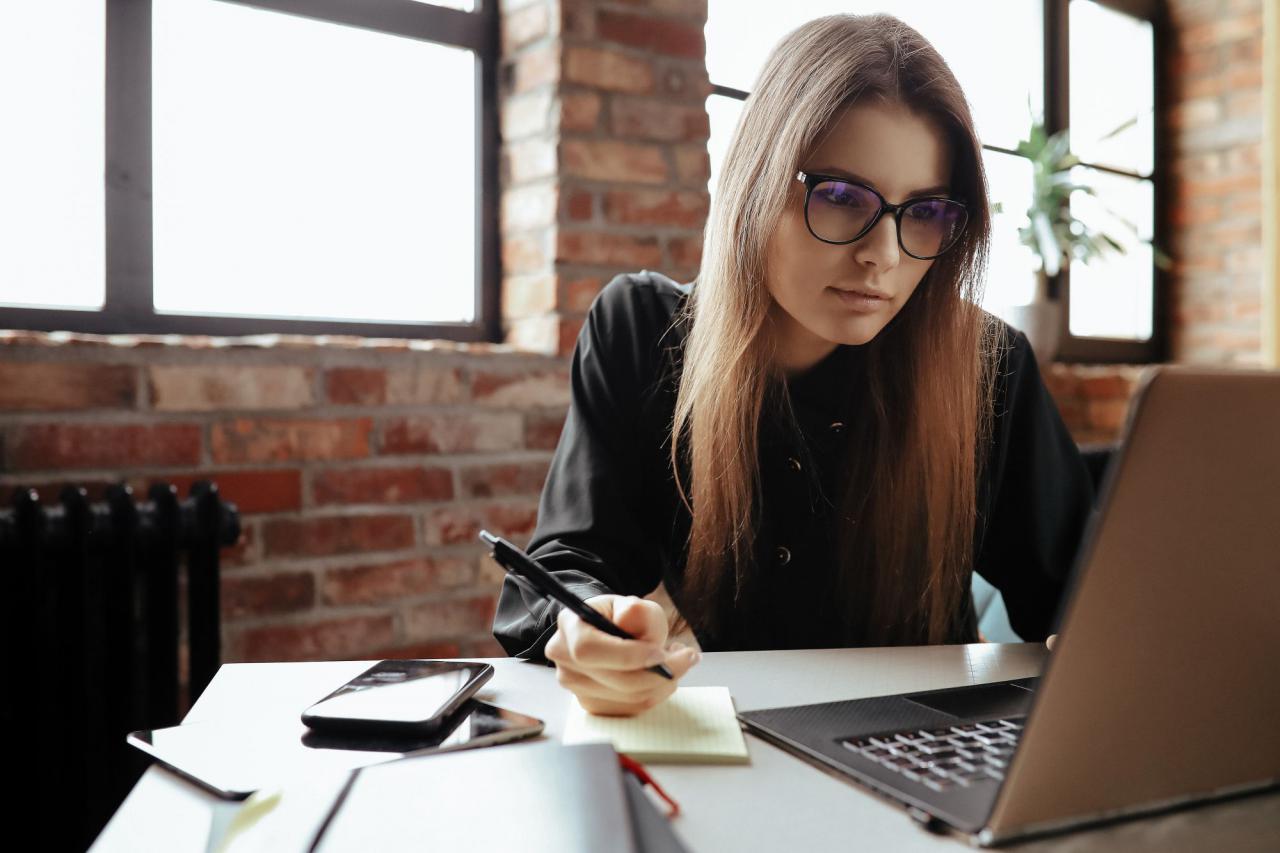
1055	235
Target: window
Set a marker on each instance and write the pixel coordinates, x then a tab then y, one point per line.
308	166
1111	314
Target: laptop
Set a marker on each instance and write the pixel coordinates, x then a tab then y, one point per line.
1163	688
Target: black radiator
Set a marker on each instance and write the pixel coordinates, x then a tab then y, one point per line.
97	635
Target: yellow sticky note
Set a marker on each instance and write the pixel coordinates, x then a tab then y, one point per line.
696	725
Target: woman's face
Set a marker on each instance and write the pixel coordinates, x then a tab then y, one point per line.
825	294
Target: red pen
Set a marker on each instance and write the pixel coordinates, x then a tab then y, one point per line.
635	767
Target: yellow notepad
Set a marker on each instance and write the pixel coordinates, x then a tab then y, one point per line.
697	725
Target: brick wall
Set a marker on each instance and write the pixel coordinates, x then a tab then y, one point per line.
1214	126
363	471
604	159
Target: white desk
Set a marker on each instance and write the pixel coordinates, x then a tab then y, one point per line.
776	803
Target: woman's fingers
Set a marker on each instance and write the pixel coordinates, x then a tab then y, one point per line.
584	686
588	646
608	674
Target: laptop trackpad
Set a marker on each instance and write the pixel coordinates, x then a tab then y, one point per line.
984	701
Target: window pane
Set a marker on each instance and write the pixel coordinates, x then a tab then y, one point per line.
1011	275
1112	297
999	71
51	207
307	169
1119	93
723	113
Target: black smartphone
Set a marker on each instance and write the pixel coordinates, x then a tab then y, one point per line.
398	698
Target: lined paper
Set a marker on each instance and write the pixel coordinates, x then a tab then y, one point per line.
696	725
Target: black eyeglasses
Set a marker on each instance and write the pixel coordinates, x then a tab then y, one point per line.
838	210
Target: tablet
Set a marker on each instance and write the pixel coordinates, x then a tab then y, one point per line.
235	758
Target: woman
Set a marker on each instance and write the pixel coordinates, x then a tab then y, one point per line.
817	442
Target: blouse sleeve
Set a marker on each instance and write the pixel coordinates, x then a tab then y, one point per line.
592	533
1040	501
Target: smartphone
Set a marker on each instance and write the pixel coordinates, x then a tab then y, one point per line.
398	698
232	759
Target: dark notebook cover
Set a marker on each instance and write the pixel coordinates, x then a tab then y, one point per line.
518	797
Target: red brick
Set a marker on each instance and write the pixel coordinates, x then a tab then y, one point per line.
251	491
461	524
283	593
253	440
1103	387
452	432
577	294
542	429
608	69
579	112
360	386
676	38
55	386
332	639
31	447
693	165
569	330
685	252
425	385
1108	415
456	618
617	162
245	551
504	479
382	485
681	209
601	248
420	651
391	582
658	120
318	537
521	390
580	205
211	388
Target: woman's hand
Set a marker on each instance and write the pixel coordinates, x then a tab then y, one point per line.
608	674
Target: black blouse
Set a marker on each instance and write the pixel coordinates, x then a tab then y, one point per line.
611	519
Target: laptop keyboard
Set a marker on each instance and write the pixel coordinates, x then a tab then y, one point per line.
945	758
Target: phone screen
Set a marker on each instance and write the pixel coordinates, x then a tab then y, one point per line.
401	691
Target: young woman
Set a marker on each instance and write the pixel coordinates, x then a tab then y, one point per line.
818	441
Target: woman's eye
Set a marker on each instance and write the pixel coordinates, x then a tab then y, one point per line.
921	212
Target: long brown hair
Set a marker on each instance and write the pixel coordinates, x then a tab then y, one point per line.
907	520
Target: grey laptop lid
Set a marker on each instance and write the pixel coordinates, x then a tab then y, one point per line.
1164	686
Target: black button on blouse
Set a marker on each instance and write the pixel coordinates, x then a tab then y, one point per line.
611	519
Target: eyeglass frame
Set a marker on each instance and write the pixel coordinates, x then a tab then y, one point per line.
811	181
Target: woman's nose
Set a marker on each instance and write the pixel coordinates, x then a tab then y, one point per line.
879	246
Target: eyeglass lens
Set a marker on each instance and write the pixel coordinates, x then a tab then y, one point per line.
839	212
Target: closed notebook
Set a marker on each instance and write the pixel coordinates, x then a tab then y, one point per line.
536	797
697	725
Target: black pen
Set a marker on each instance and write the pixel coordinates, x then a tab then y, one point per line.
524	568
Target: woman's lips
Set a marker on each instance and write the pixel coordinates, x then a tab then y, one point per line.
858	301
